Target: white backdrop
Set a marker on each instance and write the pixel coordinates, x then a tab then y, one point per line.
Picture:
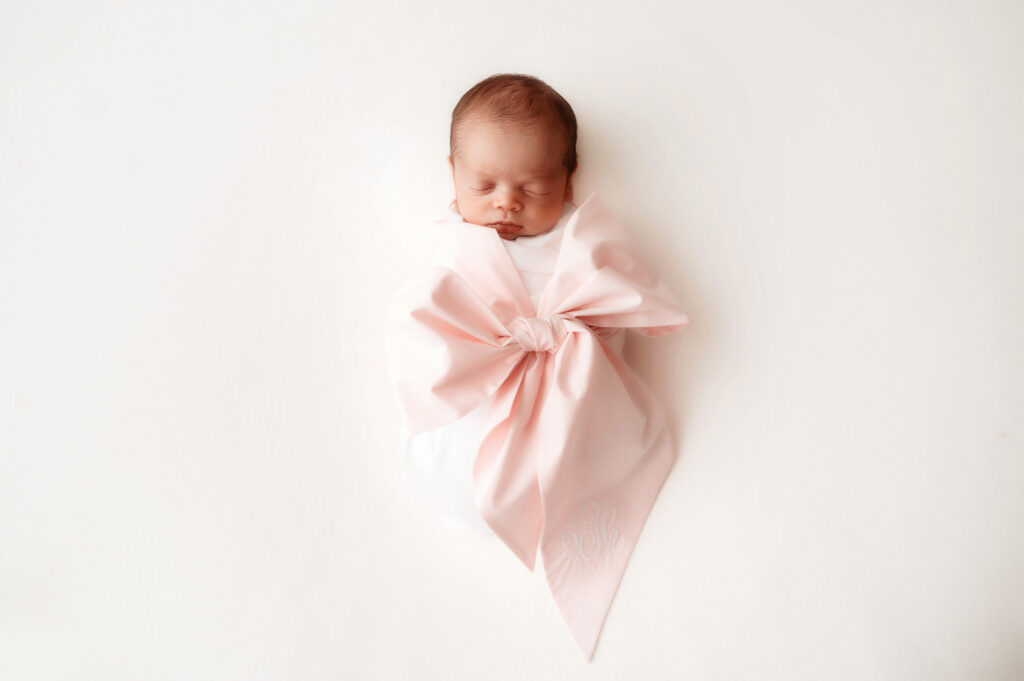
204	207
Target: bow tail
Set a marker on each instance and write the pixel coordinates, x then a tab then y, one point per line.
599	489
505	468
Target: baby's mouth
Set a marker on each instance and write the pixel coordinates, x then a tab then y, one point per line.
506	226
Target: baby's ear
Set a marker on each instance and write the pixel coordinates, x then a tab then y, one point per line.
568	187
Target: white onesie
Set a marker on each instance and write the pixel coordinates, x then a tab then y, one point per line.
439	462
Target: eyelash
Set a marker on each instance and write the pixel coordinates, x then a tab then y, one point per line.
484	189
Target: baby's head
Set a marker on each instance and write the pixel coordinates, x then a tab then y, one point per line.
513	155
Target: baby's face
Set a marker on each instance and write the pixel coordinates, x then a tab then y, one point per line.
509	178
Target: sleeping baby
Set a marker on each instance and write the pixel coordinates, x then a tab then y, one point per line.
512	159
521	418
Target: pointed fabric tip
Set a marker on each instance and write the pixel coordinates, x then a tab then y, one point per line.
586	555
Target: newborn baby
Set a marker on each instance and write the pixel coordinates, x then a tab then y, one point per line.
521	417
512	159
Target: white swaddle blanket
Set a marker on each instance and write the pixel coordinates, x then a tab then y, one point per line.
439	462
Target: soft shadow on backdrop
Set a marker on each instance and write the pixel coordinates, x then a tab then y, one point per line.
204	208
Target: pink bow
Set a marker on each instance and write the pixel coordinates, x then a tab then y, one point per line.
575	446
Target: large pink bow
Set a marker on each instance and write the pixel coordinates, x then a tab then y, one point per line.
575	447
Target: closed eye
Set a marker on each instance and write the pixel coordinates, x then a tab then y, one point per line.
527	191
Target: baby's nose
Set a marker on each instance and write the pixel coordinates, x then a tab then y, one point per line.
506	200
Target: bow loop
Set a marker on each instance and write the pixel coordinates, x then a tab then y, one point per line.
539	334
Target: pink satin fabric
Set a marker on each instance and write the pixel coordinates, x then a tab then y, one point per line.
575	446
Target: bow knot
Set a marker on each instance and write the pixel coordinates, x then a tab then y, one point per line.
539	334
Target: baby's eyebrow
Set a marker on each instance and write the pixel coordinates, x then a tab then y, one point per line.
538	177
549	175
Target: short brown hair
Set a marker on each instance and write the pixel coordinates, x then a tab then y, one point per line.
518	98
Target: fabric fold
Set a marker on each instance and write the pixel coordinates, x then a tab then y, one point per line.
575	447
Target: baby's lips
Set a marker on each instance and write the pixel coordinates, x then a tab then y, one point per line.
510	229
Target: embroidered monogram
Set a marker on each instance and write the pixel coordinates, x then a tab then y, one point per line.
590	530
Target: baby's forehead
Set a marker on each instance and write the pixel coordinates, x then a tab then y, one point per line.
535	162
546	173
